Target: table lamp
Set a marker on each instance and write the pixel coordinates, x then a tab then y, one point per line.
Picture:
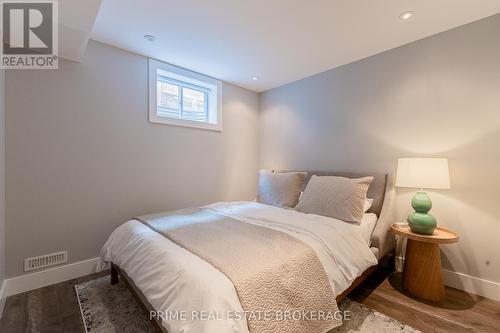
422	173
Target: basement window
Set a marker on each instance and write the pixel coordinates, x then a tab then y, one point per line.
184	98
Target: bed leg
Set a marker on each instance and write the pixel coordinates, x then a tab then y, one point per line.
114	275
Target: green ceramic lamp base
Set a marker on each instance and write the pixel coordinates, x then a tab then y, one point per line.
421	222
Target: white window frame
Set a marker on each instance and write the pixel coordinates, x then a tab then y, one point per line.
214	86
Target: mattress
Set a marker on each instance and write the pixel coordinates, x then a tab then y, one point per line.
174	280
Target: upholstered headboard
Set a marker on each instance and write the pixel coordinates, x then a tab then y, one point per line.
376	191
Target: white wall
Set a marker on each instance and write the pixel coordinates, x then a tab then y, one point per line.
82	157
436	97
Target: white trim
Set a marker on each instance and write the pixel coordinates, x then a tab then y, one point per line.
3	297
22	283
472	284
47	277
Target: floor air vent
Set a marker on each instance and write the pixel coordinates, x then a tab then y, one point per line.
47	260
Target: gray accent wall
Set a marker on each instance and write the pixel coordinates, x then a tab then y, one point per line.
437	97
82	157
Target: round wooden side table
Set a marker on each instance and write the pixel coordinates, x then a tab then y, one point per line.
422	275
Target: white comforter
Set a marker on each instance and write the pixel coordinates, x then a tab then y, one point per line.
175	281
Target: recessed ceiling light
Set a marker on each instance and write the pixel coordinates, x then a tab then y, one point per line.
406	15
255	78
150	38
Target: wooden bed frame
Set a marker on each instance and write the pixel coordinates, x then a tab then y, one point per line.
117	273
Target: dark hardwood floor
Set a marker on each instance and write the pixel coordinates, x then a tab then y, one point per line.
55	308
51	309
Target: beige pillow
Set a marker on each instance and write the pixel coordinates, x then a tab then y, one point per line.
337	197
280	189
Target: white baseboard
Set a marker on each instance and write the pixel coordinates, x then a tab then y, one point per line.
47	277
3	296
473	285
22	283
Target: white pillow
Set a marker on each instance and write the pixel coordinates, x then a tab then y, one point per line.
367	205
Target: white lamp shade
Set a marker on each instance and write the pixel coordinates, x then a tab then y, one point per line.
424	173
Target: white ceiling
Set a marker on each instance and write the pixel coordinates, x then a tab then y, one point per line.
278	41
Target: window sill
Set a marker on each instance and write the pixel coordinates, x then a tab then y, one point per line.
185	123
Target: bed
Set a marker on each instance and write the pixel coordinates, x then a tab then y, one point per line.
348	253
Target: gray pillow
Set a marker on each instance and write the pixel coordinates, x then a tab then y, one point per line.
280	189
337	197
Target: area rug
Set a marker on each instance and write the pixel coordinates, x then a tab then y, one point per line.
106	308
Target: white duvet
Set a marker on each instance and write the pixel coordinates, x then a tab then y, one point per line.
179	283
